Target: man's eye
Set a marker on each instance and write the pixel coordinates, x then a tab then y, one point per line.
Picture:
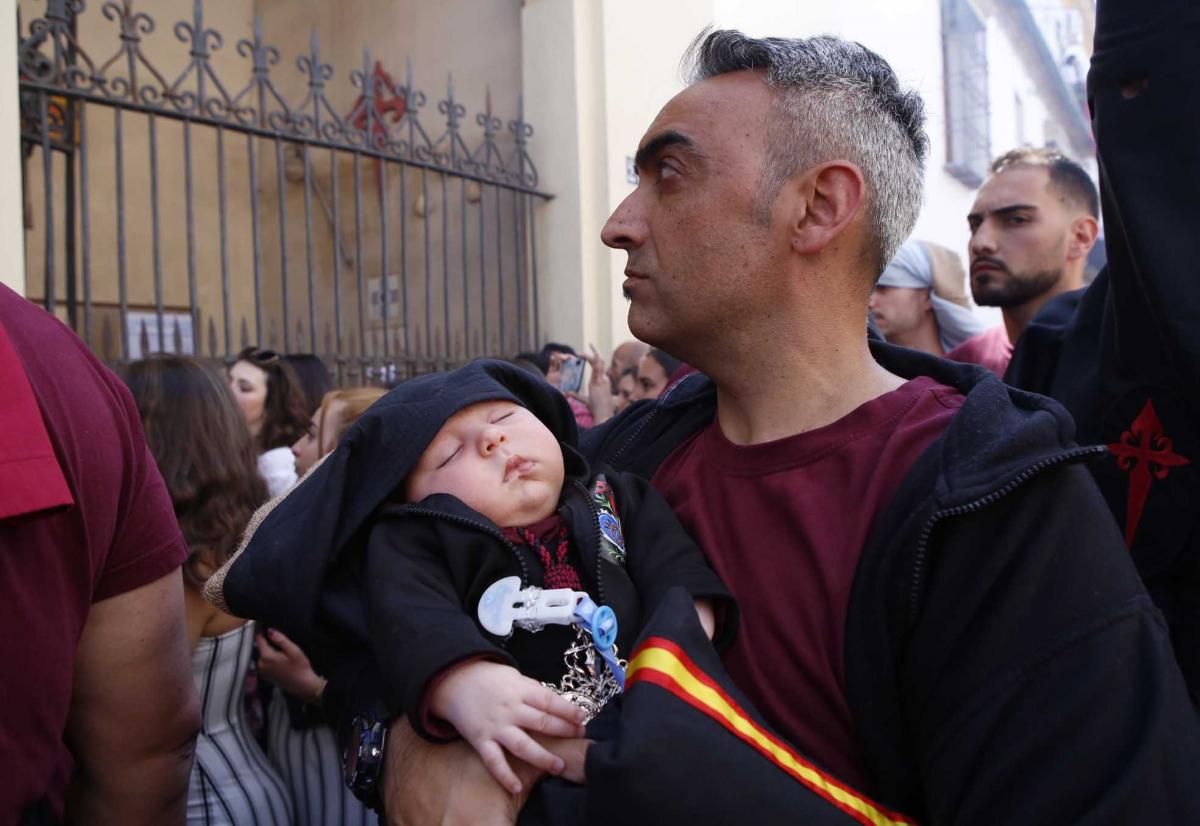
1018	219
502	418
666	170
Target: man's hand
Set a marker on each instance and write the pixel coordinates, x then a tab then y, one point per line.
494	707
445	784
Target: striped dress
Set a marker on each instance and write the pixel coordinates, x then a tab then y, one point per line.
232	784
311	765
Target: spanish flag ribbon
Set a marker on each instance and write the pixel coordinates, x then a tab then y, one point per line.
661	662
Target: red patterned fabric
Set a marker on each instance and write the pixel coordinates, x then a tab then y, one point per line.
548	539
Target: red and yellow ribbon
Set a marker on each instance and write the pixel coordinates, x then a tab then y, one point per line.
664	664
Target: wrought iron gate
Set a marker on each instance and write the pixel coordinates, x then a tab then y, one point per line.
180	215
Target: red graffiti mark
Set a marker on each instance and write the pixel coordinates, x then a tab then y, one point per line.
1146	454
388	100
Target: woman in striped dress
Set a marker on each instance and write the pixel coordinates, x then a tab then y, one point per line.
207	459
300	744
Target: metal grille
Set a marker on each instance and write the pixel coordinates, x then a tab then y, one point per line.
968	125
201	215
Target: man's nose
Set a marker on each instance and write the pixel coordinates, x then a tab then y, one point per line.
625	228
983	241
490	438
873	301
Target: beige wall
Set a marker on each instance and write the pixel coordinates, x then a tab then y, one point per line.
600	81
12	273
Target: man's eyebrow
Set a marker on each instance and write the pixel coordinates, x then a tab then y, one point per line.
1004	210
660	142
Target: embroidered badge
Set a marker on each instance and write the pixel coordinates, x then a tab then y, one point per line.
1146	453
610	529
612	538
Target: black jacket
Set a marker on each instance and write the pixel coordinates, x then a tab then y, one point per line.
1003	661
1124	357
382	596
428	563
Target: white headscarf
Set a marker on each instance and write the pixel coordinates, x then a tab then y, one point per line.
914	267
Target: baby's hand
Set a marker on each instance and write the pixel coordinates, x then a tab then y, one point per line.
493	706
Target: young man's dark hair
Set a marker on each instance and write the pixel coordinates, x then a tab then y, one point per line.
1069	177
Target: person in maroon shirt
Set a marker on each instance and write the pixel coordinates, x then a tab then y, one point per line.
98	709
936	605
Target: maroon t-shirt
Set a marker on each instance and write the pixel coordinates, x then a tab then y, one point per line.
783	524
109	529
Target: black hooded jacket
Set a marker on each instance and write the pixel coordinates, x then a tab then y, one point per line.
1124	356
1003	661
368	585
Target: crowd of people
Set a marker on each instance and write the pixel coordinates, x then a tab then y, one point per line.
830	551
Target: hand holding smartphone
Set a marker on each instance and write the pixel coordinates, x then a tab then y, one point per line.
570	377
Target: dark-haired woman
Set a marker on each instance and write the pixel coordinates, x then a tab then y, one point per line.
654	374
207	458
272	401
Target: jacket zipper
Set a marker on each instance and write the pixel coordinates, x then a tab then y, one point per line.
482	526
662	400
920	558
597	541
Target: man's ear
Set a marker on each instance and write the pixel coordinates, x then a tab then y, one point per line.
1084	232
927	300
830	197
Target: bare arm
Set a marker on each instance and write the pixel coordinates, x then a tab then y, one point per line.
134	710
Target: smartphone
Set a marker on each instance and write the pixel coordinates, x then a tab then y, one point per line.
570	377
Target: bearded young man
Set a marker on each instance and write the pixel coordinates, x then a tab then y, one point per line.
936	608
1034	221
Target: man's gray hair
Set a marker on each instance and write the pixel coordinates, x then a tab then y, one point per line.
834	100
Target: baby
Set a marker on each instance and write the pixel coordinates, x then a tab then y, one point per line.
451	484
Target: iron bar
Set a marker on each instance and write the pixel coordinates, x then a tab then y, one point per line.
122	290
190	217
404	258
48	184
483	309
499	273
156	245
520	271
69	206
358	258
224	236
85	227
428	267
69	216
337	257
283	247
255	238
466	300
308	249
446	271
384	265
533	287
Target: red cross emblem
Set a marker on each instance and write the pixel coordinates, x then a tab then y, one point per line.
1146	454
